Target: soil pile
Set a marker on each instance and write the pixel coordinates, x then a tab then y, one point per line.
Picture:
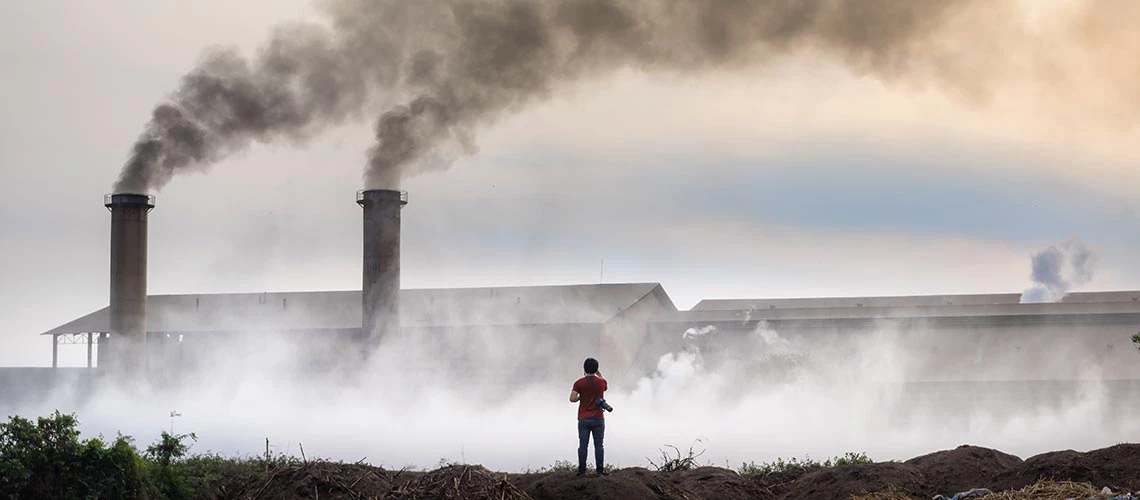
1063	474
714	482
458	482
950	471
624	484
841	483
1117	467
317	479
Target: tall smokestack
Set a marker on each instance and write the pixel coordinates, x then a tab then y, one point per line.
125	351
380	290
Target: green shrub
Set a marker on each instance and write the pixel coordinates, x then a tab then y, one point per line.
166	481
1136	340
563	466
47	460
796	465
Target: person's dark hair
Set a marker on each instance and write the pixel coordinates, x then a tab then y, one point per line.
591	366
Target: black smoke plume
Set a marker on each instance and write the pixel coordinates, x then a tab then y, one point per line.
436	71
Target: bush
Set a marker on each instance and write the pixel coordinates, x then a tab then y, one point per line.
1136	340
794	465
46	459
166	481
563	466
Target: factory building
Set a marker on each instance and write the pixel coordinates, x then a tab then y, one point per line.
566	323
548	330
989	337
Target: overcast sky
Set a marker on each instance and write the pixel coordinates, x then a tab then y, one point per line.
800	179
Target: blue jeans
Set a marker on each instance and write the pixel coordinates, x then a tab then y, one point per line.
597	427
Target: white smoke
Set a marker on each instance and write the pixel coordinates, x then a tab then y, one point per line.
1058	269
751	394
695	332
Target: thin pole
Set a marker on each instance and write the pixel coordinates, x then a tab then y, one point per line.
55	351
89	339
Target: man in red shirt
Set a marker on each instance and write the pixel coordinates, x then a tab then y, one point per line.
591	419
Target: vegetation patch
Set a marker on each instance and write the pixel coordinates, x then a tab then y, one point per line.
795	465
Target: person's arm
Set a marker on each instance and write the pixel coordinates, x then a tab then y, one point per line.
574	396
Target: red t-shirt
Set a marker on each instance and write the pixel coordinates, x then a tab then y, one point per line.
587	405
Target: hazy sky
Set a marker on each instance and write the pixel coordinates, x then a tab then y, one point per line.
800	179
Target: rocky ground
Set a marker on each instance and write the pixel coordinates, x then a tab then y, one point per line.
944	472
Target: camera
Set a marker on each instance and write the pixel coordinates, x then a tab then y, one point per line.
601	402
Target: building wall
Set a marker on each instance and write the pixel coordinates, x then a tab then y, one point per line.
520	353
38	387
623	336
977	349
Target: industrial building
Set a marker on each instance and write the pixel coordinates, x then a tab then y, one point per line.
571	322
987	337
549	329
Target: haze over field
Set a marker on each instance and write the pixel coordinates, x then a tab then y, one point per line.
899	148
790	399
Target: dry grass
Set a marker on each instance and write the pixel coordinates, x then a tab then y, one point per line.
458	482
1051	490
1041	490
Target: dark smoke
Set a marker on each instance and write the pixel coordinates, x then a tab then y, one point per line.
458	65
1057	269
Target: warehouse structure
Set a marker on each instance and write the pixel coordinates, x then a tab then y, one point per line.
566	322
547	330
991	337
952	337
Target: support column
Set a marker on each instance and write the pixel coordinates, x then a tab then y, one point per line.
90	337
55	351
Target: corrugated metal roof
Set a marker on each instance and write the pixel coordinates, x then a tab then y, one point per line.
904	301
532	305
904	312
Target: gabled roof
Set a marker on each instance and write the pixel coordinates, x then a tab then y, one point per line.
341	310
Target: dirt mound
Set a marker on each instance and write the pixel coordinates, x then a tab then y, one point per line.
458	482
841	483
944	472
1117	467
950	471
624	484
717	483
317	479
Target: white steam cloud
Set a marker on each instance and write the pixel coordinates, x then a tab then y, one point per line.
1058	269
752	393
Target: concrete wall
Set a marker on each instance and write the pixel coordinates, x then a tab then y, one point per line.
24	387
980	349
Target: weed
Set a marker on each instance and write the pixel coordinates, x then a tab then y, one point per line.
676	461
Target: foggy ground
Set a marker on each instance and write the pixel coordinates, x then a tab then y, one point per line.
410	409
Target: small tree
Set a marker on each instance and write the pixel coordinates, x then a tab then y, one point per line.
46	459
168	449
1136	340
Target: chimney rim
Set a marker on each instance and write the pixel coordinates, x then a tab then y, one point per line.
381	195
128	199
